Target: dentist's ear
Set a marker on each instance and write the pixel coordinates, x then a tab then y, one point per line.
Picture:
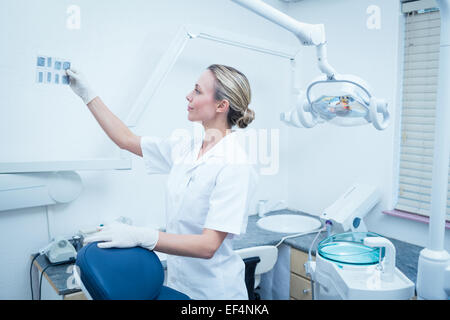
223	106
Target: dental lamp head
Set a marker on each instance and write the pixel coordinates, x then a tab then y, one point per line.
343	100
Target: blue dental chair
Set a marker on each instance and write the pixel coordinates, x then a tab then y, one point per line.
122	274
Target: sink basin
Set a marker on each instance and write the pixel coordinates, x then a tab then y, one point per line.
289	223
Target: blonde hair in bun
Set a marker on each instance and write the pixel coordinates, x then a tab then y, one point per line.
233	86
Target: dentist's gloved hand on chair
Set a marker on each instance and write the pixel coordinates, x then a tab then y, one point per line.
120	235
80	85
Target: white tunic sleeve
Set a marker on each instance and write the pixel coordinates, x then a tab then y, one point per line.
229	201
159	154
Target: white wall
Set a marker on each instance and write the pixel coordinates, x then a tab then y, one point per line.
326	160
119	44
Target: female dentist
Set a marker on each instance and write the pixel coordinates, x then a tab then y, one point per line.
209	186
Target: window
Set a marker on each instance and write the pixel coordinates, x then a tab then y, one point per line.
420	82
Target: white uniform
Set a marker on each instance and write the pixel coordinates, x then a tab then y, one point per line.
212	192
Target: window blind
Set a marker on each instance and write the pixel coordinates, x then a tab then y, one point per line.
420	82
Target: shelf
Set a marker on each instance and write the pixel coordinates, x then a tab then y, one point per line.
69	165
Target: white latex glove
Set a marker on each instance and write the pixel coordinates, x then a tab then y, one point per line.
80	86
120	235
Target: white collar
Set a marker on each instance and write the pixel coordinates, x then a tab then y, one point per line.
220	149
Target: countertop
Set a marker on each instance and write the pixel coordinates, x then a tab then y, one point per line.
407	255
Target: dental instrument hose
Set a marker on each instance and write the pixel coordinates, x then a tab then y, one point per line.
327	228
310	259
295	236
31	276
312	244
40	278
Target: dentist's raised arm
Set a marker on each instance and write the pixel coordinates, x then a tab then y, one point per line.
116	130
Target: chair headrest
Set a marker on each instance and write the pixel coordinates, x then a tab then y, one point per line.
120	274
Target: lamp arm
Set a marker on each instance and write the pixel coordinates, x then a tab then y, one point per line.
308	34
322	60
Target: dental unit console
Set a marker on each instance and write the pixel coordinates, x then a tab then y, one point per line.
357	264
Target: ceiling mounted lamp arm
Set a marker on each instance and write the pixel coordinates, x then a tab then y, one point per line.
308	34
322	60
337	98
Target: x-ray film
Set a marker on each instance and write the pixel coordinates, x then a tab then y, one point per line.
52	70
41	62
39	77
65	80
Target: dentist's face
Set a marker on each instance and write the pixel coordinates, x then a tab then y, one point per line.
202	106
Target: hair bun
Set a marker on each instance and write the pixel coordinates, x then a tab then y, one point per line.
246	119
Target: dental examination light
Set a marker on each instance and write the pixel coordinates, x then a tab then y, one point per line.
343	100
